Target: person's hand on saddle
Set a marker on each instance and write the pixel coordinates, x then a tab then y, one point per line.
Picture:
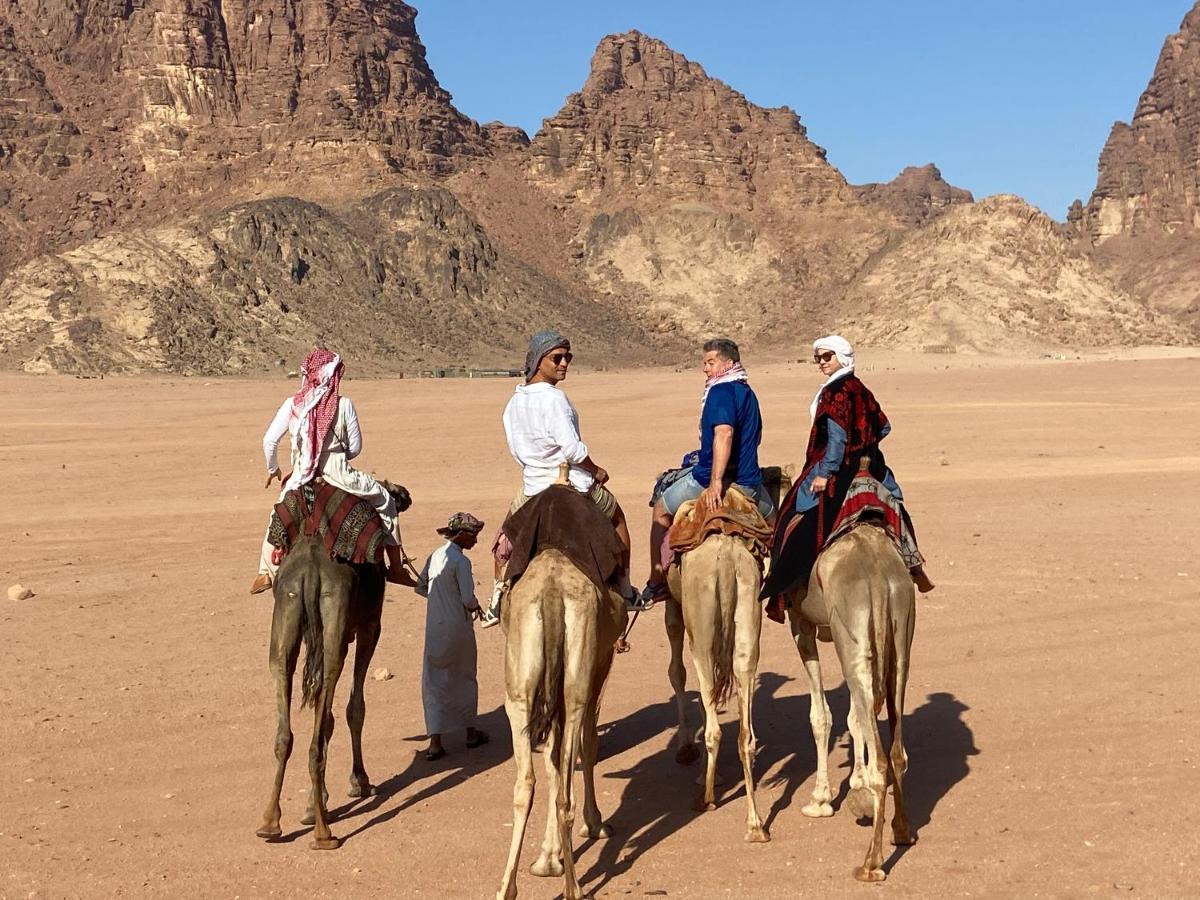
601	475
274	475
713	496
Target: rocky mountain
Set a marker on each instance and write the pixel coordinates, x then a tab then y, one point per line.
1143	218
997	275
212	185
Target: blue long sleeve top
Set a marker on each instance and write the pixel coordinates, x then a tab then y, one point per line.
831	461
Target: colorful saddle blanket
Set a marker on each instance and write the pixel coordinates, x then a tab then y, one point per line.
868	499
348	524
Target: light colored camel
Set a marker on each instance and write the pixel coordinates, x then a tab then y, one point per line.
717	586
861	589
559	637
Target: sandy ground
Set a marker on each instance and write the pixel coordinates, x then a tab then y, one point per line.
1051	713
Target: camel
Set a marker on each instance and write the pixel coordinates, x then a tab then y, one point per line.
717	589
560	631
861	589
328	604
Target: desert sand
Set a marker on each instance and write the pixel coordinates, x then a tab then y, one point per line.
1051	705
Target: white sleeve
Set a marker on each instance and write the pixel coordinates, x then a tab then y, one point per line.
353	432
275	432
565	432
466	583
422	588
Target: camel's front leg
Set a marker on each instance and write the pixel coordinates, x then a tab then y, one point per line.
356	709
804	633
549	861
686	750
518	717
748	627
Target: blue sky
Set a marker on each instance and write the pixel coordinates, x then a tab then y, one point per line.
1013	96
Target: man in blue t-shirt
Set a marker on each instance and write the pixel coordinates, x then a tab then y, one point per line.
730	432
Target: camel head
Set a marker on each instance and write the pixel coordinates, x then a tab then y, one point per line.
399	493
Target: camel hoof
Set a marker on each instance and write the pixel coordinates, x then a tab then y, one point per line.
329	843
309	818
599	833
861	803
269	832
544	867
758	836
871	876
906	839
703	805
816	810
687	754
361	789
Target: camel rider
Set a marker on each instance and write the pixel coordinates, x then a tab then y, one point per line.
730	432
542	428
325	436
847	424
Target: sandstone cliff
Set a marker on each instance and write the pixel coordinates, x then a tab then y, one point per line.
916	195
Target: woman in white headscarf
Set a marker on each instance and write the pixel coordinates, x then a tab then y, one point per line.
847	424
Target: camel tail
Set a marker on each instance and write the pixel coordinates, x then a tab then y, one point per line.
314	642
722	646
547	707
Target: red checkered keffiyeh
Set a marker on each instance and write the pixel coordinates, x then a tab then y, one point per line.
315	405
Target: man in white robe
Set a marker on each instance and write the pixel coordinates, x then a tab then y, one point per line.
449	690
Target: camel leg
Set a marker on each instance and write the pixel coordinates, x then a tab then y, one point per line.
686	751
712	727
572	725
356	709
901	831
518	717
857	666
333	618
549	861
285	650
593	824
859	798
804	633
748	627
310	814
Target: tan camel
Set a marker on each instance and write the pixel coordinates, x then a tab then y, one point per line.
559	637
861	589
718	584
328	604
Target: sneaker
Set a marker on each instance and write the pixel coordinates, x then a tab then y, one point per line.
650	595
490	616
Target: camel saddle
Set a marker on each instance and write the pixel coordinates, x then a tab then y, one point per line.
738	516
560	518
348	525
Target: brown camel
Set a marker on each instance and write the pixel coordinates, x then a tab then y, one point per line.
328	604
559	637
861	589
718	584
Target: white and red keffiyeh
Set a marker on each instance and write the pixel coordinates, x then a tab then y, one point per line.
734	372
315	407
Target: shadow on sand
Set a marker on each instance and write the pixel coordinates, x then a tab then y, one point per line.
658	798
454	768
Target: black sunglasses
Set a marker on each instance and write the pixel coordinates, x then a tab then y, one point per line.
823	357
557	358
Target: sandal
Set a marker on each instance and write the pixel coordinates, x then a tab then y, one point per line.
481	738
435	755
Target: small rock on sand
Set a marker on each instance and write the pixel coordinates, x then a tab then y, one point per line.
381	674
19	592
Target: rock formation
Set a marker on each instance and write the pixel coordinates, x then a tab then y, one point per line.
916	195
990	276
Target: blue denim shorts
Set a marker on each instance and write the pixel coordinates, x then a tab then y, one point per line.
688	488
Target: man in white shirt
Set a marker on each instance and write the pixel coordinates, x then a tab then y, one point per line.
542	428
